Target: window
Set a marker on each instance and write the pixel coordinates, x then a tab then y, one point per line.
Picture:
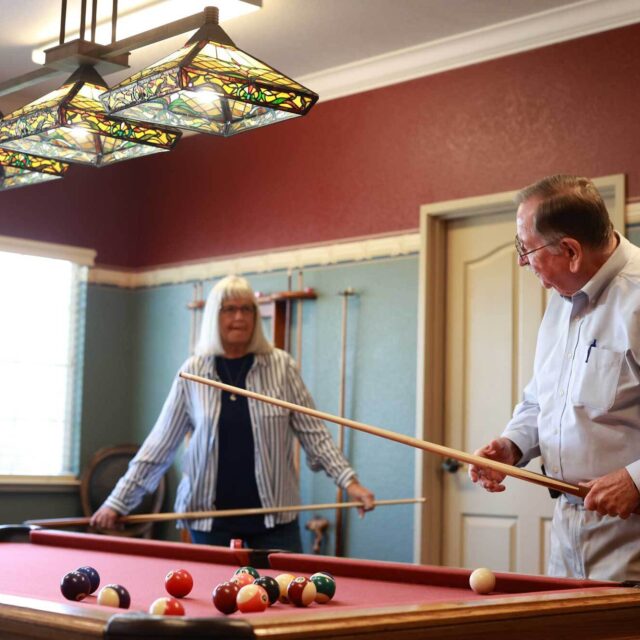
41	329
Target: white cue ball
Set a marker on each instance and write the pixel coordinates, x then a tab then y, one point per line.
482	581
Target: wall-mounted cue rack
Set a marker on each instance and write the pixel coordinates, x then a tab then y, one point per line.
277	307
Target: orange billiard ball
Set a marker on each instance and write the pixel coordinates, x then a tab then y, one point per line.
252	598
242	579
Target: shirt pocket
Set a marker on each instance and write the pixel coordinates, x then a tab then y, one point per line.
596	377
268	410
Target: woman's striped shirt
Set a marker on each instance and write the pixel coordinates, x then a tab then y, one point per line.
194	409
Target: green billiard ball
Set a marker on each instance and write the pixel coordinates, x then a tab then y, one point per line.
325	587
250	570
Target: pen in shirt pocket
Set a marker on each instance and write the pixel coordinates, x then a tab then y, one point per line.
591	346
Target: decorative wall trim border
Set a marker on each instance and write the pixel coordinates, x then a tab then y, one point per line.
633	213
289	259
79	255
514	36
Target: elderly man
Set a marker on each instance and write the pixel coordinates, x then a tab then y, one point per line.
581	409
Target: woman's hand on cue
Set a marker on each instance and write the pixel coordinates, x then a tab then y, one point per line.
358	493
104	518
501	450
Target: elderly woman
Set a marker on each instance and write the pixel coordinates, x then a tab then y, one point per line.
241	451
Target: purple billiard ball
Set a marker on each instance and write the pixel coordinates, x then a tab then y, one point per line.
75	586
93	575
114	595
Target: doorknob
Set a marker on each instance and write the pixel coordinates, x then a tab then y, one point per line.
451	465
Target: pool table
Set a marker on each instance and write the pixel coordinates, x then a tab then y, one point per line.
374	599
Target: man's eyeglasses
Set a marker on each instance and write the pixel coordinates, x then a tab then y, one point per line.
523	253
232	309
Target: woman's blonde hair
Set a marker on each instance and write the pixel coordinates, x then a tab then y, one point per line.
209	342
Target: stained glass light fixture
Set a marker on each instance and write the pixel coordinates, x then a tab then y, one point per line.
21	169
209	86
70	124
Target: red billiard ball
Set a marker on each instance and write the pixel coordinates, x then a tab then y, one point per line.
75	586
166	607
271	586
93	575
283	581
301	592
114	595
224	597
178	583
242	579
252	598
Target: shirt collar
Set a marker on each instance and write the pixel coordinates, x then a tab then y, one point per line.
607	272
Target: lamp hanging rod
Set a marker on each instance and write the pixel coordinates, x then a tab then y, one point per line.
107	52
63	21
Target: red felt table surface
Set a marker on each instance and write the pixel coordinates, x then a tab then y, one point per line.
34	570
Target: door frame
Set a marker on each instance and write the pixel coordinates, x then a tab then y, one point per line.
430	378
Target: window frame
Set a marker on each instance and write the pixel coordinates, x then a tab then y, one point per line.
82	259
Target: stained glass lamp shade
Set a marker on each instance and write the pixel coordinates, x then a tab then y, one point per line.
209	86
20	169
71	125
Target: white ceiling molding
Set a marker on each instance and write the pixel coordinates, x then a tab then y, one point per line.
503	39
289	259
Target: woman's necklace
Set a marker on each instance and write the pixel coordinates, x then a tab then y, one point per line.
234	381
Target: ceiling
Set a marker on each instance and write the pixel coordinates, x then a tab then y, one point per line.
314	40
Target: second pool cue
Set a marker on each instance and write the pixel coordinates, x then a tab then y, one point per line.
226	513
341	403
425	445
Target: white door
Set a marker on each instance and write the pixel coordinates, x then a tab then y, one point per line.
493	310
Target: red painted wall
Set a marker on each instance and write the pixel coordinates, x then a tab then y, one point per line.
359	165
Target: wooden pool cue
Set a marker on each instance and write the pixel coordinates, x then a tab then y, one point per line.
226	513
438	449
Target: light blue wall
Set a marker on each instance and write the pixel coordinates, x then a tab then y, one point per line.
138	339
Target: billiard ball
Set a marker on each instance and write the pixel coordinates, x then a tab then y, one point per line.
178	583
250	570
114	595
283	581
252	598
271	586
224	597
93	575
325	587
482	581
301	592
75	585
243	579
166	607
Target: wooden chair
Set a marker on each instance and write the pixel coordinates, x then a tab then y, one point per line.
99	478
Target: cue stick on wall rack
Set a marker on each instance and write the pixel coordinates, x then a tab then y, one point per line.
226	513
287	317
341	402
425	445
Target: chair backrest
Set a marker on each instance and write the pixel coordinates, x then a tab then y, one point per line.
101	475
